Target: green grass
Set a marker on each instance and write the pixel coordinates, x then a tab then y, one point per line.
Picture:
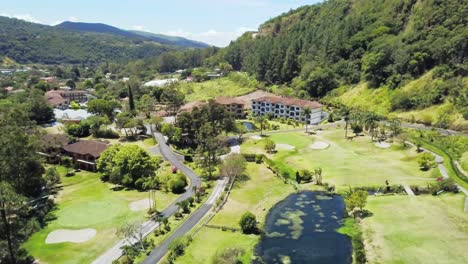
86	202
345	163
464	161
361	97
209	241
423	229
257	193
234	85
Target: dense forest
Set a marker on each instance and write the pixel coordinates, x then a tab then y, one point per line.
26	42
318	48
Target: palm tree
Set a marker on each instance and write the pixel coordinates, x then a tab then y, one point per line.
347	118
261	120
307	113
371	123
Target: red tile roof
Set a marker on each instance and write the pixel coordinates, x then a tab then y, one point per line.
85	147
228	101
289	101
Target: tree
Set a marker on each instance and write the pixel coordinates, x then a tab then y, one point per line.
395	127
174	99
132	230
103	107
240	130
270	145
261	120
234	165
146	104
128	165
51	177
96	122
10	202
20	164
307	111
319	176
131	100
357	199
248	223
426	161
346	117
71	84
371	122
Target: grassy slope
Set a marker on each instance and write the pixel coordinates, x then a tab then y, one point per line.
356	163
210	241
257	193
430	229
378	100
86	202
226	86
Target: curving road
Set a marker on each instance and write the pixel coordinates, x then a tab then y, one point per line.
147	227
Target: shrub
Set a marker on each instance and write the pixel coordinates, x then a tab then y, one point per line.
426	161
248	223
177	184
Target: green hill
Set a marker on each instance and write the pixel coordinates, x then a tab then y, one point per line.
372	49
26	42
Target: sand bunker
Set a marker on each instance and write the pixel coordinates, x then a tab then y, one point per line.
256	137
383	144
73	236
140	205
285	146
319	145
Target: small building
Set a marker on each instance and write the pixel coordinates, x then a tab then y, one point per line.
233	105
85	153
161	83
52	146
61	98
287	108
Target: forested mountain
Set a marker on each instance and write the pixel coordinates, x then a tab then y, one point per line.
381	43
136	35
179	41
26	42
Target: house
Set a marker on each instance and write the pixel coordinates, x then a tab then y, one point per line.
233	105
52	146
161	83
85	153
287	108
48	79
59	98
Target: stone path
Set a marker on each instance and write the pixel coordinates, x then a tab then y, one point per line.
408	190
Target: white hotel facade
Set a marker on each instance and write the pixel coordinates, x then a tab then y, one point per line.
287	108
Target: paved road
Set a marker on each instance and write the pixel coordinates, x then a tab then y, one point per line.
115	252
160	251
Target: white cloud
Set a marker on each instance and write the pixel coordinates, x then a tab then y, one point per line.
212	36
73	19
25	17
139	28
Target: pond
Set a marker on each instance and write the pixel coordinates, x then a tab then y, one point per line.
302	229
249	126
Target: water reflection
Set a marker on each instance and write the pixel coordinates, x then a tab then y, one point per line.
302	229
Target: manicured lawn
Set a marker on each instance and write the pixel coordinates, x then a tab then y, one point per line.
210	241
257	193
86	202
423	229
356	162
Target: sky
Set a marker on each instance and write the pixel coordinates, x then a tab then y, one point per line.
215	22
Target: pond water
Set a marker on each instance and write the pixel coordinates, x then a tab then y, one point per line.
302	229
249	126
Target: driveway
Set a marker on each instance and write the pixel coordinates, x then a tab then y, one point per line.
147	227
